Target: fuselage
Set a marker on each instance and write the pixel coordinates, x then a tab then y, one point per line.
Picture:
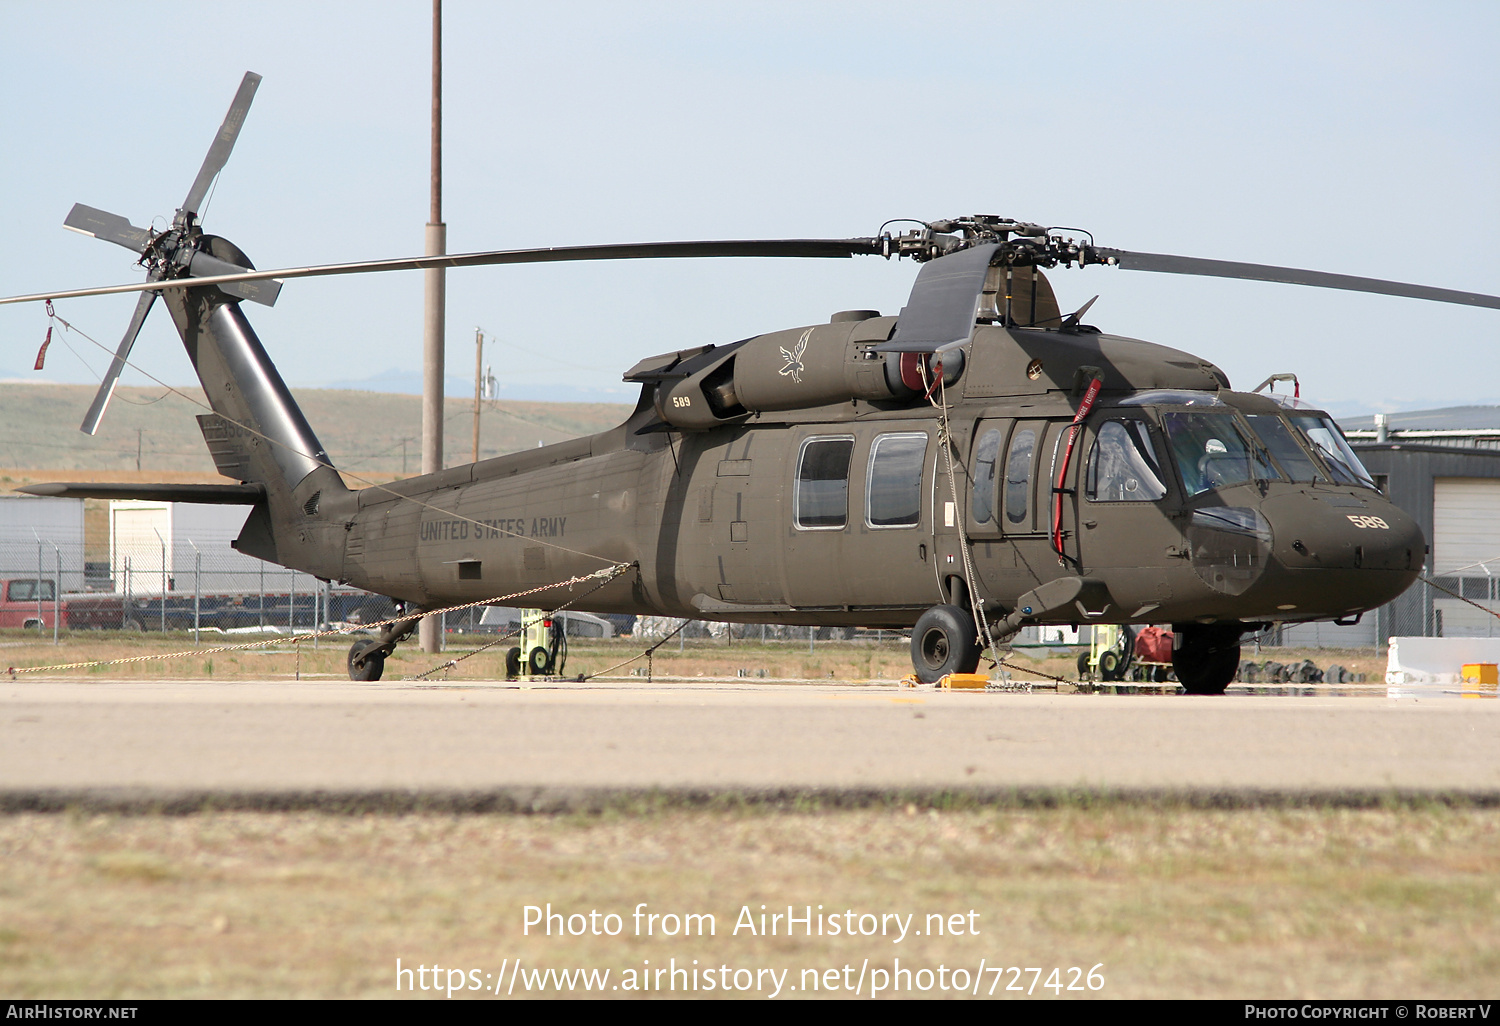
1188	501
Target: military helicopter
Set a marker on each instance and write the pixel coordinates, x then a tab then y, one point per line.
978	463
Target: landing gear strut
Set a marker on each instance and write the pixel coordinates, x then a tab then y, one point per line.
944	641
366	660
1206	656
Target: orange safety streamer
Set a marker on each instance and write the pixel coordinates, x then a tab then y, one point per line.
41	354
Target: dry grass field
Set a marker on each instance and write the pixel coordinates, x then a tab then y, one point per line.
1269	903
372	434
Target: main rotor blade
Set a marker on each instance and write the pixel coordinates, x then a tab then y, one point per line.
1291	276
829	248
101	224
107	386
218	153
262	292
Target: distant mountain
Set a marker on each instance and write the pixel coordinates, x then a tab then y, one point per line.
407	382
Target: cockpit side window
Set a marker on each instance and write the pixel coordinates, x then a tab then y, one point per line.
1123	465
1328	442
1211	452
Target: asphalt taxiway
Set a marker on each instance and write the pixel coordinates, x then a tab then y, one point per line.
290	744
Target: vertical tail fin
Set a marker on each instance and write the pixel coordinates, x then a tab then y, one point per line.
257	434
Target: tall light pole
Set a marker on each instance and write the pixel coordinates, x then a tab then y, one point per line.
478	384
429	631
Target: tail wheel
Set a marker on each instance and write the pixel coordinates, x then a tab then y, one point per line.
944	641
1206	656
365	663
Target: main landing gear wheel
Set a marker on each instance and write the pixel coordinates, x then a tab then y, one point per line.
944	641
366	662
1206	656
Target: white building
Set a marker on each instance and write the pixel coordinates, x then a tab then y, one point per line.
183	546
39	534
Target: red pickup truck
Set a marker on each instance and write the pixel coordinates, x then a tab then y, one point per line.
29	603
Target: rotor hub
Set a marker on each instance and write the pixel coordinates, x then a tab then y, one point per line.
1022	244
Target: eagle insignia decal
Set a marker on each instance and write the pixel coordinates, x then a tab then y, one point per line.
793	358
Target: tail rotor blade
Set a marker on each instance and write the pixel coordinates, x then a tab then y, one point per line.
223	144
91	420
262	292
101	224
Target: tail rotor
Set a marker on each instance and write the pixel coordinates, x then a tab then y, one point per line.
175	253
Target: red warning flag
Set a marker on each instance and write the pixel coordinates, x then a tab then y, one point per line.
41	354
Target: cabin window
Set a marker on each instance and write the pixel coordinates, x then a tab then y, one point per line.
1272	430
1018	475
894	496
25	591
986	456
1212	453
822	496
1123	465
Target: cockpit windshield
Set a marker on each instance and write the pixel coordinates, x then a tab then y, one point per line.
1328	442
1277	437
1211	452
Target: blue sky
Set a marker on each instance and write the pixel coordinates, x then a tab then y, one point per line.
1355	137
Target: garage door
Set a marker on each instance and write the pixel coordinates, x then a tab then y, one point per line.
1465	525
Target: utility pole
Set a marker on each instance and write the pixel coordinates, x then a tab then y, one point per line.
435	301
478	384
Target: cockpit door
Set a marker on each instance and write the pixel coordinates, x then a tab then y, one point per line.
1125	500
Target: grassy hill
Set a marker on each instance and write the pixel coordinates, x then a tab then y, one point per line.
365	433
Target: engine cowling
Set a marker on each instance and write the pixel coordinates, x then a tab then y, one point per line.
796	369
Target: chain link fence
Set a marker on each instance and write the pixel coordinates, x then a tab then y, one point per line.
186	583
1434	607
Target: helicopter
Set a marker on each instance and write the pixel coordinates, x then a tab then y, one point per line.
978	463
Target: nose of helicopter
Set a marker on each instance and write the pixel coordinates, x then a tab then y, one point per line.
1336	553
